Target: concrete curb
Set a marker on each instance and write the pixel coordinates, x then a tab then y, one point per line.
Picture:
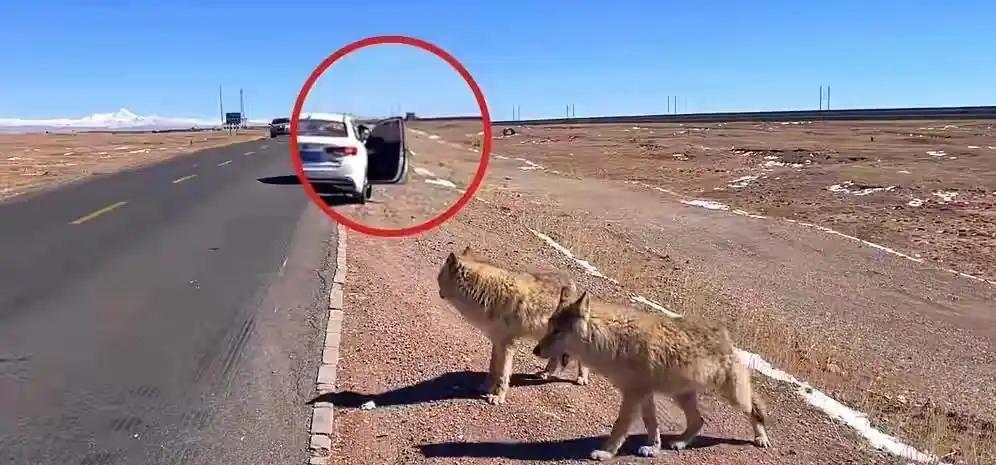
323	412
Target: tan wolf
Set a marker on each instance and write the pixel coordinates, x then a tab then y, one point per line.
644	353
506	305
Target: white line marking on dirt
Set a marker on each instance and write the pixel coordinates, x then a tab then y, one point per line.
433	137
716	206
838	411
224	163
412	152
139	151
831	407
936	153
424	172
501	157
441	182
588	267
654	305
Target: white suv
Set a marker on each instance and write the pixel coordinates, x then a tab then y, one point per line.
336	153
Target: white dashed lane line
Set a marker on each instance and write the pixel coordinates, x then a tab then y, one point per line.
179	180
250	153
98	212
224	163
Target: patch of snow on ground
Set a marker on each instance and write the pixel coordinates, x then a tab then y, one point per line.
440	182
946	196
742	181
424	172
845	188
774	163
709	204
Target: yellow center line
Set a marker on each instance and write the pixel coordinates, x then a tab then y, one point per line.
224	163
179	180
98	212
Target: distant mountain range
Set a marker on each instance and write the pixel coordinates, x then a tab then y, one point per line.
121	119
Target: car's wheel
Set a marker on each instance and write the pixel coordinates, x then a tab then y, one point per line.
369	191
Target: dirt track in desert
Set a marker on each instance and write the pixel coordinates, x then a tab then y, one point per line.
861	267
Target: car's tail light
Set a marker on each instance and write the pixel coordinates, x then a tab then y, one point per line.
346	151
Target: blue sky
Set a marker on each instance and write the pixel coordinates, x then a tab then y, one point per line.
71	58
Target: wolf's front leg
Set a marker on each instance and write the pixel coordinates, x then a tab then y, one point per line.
627	412
501	360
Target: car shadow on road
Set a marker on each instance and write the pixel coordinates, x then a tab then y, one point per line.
566	449
329	195
287	180
450	386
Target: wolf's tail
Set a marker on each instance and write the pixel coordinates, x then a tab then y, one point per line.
739	391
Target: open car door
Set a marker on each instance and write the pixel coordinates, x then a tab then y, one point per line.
387	152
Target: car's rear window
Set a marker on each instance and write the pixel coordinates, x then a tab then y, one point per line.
311	127
281	121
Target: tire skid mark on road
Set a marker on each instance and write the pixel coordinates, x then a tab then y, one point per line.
829	406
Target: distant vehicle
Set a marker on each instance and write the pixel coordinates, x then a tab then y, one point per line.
337	152
279	126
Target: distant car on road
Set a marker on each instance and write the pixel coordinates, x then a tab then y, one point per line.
337	152
279	126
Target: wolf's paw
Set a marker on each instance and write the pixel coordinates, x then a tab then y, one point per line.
678	445
648	451
762	441
495	399
600	455
583	380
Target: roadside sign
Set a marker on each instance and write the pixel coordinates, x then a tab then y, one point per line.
233	119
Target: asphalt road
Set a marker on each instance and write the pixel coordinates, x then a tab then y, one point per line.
163	315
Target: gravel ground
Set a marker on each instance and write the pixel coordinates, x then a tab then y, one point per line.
417	360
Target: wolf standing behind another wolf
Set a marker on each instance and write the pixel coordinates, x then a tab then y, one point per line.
642	353
505	305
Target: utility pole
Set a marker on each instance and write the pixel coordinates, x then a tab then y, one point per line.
573	114
821	97
828	96
669	104
221	105
242	109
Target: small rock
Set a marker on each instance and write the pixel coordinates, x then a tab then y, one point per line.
368	405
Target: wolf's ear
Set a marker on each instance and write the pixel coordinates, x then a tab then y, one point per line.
567	295
467	251
584	306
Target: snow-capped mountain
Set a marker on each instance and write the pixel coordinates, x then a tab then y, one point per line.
121	119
